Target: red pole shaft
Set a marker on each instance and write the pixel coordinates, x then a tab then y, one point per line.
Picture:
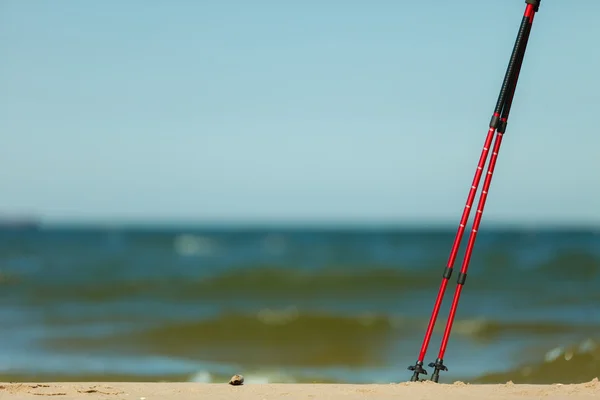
457	240
529	13
471	243
497	124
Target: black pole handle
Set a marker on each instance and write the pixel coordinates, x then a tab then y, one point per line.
513	86
509	75
511	70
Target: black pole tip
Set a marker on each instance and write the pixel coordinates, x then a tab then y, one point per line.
418	369
438	366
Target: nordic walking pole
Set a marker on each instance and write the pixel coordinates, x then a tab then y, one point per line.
495	120
532	8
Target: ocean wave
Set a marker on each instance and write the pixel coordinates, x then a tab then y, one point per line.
576	363
283	283
488	330
270	337
262	282
571	265
293	337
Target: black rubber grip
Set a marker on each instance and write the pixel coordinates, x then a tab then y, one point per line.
461	278
447	273
513	85
494	121
508	77
502	127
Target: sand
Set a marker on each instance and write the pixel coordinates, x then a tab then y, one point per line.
196	391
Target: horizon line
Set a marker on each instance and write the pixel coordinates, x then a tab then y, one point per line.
426	224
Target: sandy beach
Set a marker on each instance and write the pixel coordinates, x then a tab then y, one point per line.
185	391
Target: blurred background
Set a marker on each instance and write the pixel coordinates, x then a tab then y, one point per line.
195	189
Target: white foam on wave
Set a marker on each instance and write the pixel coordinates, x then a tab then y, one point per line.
586	346
278	317
202	377
191	245
257	377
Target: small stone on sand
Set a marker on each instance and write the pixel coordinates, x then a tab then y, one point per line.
236	380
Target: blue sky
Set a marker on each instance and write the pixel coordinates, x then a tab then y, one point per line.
266	111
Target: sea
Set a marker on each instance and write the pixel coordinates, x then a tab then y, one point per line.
295	304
